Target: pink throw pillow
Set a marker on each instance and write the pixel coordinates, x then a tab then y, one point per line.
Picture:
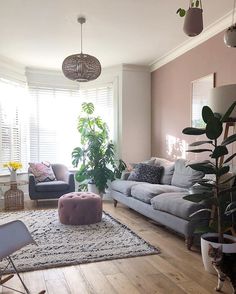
42	171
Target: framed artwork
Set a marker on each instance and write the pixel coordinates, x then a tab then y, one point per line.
200	96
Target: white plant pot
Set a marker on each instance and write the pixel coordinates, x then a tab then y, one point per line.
93	189
227	248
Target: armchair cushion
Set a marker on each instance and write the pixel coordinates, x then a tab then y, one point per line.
43	171
51	186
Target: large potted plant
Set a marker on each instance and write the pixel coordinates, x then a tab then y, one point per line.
97	154
193	22
219	197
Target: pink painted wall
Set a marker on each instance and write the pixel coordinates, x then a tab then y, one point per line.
171	93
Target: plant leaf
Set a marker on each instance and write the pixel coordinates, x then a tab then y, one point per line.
214	128
206	168
223	170
219	151
88	107
229	140
228	180
198	143
230	158
228	112
193	131
207	114
199	211
198	197
197	3
199	150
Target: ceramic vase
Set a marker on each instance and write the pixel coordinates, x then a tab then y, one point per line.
13	176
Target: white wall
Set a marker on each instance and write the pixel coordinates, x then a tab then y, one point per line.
136	114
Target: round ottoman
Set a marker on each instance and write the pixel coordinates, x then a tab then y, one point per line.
80	208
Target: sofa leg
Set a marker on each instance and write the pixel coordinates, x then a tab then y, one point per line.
115	202
189	242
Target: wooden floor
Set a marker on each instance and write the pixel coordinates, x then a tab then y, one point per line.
176	270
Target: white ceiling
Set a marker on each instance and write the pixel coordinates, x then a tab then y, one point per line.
41	33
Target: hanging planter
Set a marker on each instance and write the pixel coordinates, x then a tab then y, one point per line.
193	23
230	33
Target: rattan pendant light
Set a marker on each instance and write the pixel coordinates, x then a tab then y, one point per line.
81	67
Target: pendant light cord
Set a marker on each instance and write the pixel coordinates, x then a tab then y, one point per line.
233	12
81	40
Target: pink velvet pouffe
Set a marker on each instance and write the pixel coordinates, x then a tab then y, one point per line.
80	208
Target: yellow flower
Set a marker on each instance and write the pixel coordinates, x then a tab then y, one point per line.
13	165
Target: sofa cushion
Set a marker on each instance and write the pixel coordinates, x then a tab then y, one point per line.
51	186
174	204
184	176
146	173
168	167
123	186
145	191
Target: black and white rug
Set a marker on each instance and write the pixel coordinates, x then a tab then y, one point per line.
61	245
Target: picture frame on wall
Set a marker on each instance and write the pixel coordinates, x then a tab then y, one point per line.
200	90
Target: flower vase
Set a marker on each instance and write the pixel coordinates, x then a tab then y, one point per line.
13	176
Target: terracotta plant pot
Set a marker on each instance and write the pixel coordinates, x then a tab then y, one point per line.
211	238
230	36
193	23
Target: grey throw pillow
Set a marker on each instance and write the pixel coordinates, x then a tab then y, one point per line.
146	173
184	176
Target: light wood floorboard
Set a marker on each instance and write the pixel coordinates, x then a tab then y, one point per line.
175	270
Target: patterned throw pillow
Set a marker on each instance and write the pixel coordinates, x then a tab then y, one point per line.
43	171
146	173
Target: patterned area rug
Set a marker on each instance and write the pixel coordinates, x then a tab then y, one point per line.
61	245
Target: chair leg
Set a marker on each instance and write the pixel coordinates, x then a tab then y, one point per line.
15	269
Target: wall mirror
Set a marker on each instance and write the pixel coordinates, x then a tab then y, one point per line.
200	97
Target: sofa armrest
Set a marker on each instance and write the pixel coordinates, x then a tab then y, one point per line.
71	181
32	184
125	175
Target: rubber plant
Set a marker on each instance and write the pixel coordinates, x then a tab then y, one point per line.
218	196
97	154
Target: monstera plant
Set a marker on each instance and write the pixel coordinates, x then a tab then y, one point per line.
97	152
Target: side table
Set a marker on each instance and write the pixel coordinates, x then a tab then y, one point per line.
14	197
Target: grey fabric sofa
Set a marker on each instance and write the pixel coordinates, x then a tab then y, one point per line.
53	189
164	202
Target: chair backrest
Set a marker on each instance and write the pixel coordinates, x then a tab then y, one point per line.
61	171
13	236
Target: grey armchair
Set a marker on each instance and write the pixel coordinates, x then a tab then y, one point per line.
54	189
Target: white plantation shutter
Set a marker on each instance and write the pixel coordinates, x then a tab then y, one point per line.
54	117
13	123
41	124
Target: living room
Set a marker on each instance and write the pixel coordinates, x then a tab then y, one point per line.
144	94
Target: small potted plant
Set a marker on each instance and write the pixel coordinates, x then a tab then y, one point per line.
193	23
97	154
13	166
219	197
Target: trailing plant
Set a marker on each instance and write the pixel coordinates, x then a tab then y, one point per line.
97	154
218	196
193	4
